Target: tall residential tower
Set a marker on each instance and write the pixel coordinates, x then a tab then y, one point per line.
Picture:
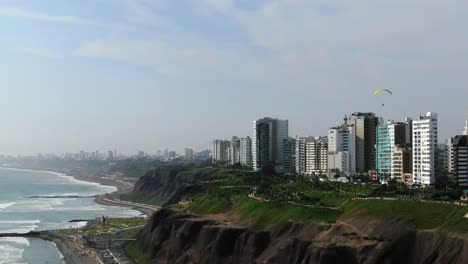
425	149
365	125
269	137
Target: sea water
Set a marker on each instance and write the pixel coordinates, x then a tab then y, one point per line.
36	200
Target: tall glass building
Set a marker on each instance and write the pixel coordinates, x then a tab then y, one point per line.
388	137
384	151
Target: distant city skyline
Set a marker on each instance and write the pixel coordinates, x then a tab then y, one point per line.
146	75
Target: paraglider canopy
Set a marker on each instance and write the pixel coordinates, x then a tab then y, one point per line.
382	90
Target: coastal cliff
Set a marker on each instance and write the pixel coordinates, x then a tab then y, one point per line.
178	237
170	184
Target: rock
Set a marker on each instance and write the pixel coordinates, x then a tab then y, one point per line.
176	237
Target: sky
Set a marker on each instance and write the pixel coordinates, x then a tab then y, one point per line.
149	74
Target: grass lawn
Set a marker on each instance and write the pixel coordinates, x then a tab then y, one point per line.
328	199
267	214
209	204
443	217
133	251
144	199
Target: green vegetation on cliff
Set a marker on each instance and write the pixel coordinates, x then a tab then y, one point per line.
265	200
134	251
426	215
267	214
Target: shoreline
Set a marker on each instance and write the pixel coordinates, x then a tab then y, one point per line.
70	247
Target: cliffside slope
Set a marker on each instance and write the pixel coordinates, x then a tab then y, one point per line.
178	237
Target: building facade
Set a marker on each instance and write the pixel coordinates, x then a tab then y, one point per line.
246	152
402	164
317	156
460	160
341	150
365	139
388	136
220	151
268	141
234	151
189	154
425	141
301	154
290	156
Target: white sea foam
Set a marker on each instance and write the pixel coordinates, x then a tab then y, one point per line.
18	230
15	240
10	254
78	224
5	205
60	253
36	205
20	221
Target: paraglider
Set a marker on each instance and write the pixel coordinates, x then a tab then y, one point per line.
382	90
377	92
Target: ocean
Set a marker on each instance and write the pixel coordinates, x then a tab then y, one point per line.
36	200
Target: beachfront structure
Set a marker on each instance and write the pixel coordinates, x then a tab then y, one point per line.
425	149
269	135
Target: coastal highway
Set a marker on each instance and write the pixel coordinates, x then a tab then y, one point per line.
112	201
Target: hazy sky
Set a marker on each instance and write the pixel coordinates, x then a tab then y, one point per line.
150	74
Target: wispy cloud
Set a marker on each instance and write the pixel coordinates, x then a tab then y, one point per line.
41	52
16	12
166	59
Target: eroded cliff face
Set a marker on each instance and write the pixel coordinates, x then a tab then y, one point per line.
168	184
175	237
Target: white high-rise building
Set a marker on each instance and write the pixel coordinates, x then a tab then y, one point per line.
425	149
317	156
234	151
466	128
246	152
220	151
269	137
301	143
341	150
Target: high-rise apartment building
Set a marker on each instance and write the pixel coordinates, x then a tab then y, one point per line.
425	149
246	152
301	154
388	136
220	151
341	150
268	141
189	154
365	125
402	163
460	160
110	155
290	156
234	151
317	156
